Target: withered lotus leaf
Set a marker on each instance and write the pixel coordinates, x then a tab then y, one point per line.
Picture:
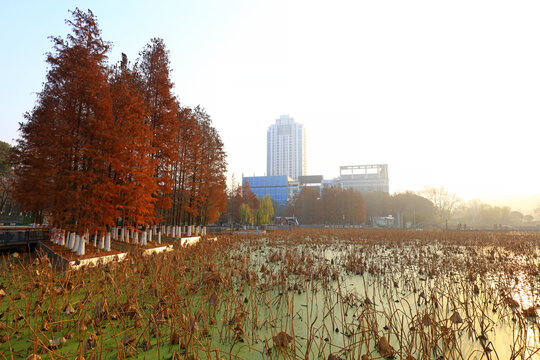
384	347
282	339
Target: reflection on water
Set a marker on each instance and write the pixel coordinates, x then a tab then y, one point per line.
401	291
523	292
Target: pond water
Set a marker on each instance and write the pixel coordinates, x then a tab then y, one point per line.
393	296
302	294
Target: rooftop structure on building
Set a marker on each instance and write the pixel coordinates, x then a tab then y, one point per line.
363	178
286	148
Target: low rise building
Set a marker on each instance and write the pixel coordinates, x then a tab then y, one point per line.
361	178
279	188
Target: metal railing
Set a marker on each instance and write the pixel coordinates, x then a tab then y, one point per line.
11	236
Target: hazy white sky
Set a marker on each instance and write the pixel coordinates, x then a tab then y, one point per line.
446	93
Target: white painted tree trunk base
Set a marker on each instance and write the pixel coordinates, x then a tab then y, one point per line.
76	241
108	242
101	243
81	248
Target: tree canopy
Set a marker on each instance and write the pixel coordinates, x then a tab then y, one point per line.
265	210
332	206
5	158
111	144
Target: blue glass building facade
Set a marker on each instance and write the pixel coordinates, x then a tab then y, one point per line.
278	188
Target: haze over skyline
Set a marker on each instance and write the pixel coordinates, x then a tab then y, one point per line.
445	94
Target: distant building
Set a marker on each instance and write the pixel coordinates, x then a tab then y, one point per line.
286	148
286	220
279	188
363	178
383	221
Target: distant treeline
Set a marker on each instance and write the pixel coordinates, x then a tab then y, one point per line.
332	206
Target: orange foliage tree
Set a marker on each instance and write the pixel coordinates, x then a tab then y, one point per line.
162	108
104	145
199	180
64	154
213	164
134	164
332	206
249	197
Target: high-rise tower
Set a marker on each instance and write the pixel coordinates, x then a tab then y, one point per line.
286	148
